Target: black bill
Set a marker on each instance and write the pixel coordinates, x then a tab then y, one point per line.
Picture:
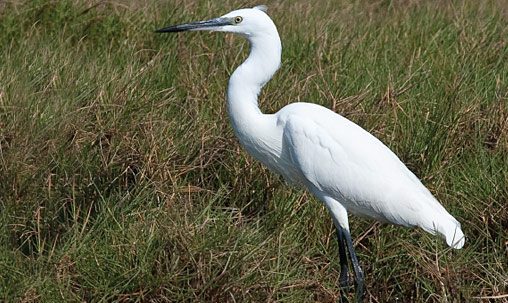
195	26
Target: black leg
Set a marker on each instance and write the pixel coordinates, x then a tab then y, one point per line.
343	280
356	266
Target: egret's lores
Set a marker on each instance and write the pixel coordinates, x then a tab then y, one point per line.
343	165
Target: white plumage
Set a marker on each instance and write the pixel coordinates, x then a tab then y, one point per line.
343	165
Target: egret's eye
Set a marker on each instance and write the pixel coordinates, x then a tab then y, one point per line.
238	19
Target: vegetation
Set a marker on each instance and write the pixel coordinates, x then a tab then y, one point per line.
121	179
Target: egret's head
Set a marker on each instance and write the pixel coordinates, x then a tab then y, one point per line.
247	22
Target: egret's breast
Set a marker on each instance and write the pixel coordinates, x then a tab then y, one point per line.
265	145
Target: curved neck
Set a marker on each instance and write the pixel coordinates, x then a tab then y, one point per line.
247	80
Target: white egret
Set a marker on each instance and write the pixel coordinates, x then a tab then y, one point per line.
343	165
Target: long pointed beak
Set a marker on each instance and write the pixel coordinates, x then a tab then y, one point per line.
196	26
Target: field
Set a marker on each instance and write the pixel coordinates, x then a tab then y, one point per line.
121	179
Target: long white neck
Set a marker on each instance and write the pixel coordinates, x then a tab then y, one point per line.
247	80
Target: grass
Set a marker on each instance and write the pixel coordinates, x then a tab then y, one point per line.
121	180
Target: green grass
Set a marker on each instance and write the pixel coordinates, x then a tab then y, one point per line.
121	180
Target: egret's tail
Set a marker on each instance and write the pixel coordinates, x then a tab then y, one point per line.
453	234
449	228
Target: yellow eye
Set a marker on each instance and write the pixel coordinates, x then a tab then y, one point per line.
238	19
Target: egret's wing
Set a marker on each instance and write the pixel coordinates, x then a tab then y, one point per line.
338	158
354	170
315	154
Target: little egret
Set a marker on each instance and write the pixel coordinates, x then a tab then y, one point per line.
343	165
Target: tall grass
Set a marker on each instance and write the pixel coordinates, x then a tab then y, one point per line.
121	180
